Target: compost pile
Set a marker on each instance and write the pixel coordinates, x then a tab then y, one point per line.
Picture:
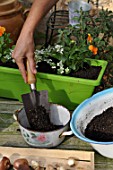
101	127
40	120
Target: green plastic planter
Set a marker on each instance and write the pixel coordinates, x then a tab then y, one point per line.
64	90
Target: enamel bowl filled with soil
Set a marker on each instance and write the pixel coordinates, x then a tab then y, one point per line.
45	128
92	122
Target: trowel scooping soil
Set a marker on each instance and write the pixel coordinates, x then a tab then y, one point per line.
37	106
40	120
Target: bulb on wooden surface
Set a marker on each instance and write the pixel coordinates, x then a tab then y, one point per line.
71	162
35	165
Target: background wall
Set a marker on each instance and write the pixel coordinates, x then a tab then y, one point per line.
61	3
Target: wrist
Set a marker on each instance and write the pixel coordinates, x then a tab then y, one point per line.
25	32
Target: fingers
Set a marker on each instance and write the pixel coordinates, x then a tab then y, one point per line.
23	51
21	64
22	71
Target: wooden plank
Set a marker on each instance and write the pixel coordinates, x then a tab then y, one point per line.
84	159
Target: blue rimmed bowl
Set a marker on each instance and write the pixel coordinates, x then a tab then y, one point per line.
85	112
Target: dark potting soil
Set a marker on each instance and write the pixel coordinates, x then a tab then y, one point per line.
100	127
87	72
8	64
40	120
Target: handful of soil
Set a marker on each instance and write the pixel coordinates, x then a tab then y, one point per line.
101	127
40	120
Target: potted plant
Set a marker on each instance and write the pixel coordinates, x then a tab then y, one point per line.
76	48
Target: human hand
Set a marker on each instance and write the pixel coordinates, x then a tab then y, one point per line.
24	50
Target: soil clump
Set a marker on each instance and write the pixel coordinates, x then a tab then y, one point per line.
100	127
40	120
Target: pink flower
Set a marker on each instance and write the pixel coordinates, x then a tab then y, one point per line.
41	138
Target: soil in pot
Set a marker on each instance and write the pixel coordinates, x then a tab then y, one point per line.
40	120
100	127
9	64
87	72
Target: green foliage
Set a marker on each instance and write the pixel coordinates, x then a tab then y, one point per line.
90	38
5	47
100	27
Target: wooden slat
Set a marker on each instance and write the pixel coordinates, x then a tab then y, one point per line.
84	159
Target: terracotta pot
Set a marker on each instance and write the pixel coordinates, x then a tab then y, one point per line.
11	17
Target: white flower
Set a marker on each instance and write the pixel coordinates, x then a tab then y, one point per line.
67	70
60	70
13	60
60	64
59	48
38	52
48	60
49	49
38	58
53	67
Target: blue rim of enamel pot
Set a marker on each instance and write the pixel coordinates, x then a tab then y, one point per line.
76	114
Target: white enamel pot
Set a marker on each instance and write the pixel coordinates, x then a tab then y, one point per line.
59	115
85	112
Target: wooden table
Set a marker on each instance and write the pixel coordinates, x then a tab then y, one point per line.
10	135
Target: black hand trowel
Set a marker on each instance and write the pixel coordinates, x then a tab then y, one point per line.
34	98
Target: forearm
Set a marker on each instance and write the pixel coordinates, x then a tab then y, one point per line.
38	10
25	43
